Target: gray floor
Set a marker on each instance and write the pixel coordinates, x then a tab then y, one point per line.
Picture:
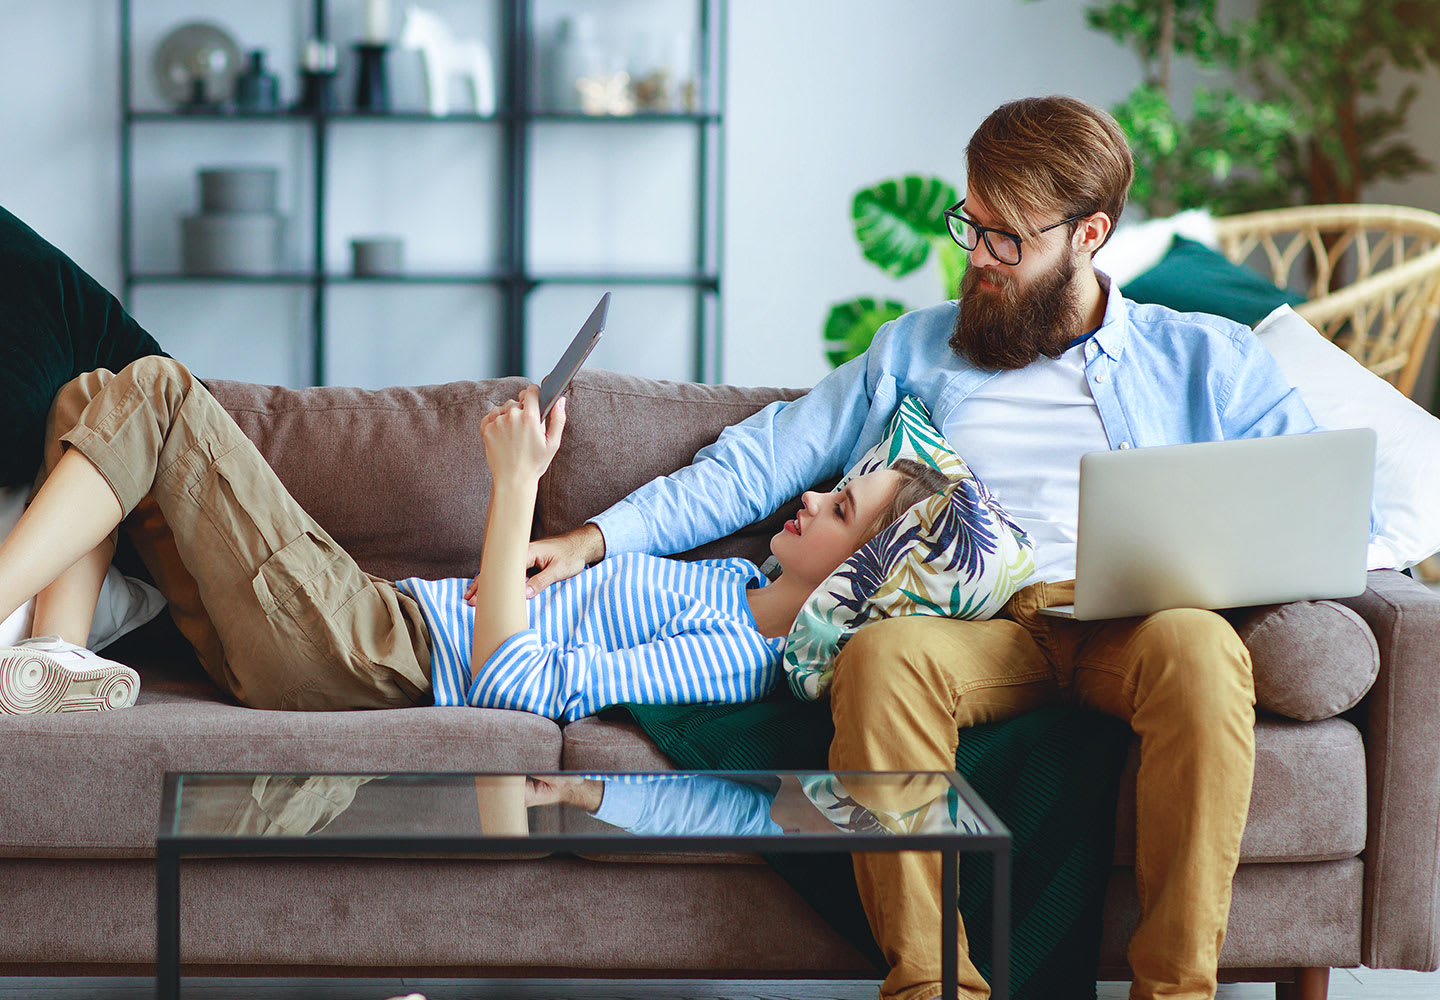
1345	984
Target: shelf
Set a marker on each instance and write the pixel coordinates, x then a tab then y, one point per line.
415	278
366	117
707	281
525	123
208	117
421	117
181	278
710	281
639	118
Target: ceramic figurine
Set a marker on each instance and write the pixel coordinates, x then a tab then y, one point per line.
445	56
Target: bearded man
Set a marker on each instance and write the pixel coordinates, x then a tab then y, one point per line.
1039	361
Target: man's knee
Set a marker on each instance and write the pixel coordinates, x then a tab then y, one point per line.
888	657
1197	657
902	659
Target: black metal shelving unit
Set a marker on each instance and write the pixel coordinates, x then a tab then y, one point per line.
519	112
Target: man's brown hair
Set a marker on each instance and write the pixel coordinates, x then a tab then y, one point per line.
1040	159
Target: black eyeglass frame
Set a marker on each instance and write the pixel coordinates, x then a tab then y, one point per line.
953	212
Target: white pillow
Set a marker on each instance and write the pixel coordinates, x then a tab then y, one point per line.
1135	248
125	603
1342	393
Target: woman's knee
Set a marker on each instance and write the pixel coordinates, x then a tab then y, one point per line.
155	368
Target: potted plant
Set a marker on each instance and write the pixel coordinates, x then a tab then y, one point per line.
899	224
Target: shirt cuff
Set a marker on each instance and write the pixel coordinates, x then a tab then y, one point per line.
622	804
624	529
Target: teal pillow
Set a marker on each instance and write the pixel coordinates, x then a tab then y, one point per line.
1194	278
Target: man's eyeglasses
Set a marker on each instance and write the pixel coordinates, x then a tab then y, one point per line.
1003	246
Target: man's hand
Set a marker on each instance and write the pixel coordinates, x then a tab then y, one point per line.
562	556
584	793
557	558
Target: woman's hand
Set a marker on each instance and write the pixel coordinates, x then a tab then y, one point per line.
518	448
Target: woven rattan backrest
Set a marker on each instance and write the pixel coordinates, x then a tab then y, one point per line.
1371	274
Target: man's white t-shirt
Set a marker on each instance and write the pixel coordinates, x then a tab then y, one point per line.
1023	433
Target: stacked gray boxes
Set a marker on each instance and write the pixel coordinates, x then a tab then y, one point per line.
238	230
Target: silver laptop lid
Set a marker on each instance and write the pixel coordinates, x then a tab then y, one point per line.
1224	524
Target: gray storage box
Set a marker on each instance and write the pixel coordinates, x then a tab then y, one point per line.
232	243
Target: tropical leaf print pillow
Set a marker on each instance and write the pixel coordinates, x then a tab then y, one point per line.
956	554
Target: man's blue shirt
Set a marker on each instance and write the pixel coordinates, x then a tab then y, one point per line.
1158	378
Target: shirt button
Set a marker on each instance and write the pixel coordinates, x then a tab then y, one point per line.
1124	445
1100	377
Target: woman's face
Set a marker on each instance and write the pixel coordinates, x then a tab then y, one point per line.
829	527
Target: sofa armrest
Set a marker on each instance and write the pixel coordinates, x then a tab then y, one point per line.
1401	717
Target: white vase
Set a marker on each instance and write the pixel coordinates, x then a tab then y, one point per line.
575	56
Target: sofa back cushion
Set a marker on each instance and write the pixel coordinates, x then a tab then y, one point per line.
397	476
623	430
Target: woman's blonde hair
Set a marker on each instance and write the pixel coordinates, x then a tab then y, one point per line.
917	482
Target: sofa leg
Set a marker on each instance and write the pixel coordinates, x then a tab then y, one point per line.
1309	984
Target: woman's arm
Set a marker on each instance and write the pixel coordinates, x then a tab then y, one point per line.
518	450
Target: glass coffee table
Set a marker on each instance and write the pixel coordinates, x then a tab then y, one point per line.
347	815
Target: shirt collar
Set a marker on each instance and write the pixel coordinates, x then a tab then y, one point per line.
1114	332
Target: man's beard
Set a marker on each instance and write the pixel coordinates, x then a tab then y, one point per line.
1011	327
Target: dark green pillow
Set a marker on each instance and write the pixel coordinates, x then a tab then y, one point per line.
55	323
1194	278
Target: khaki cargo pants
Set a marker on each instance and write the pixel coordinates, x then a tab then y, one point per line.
279	614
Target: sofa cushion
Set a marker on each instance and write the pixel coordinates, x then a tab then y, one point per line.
1281	917
1308	798
349	457
1312	659
460	918
621	431
1308	802
88	785
594	744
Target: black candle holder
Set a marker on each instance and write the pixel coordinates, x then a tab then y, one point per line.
317	91
372	92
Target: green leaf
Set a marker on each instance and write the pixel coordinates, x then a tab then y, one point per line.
852	325
895	220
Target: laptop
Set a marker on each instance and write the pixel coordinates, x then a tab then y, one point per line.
1223	524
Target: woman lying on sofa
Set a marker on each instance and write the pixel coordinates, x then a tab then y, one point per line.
282	618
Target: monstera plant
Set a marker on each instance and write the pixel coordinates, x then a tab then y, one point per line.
899	224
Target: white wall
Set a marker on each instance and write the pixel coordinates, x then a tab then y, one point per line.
824	98
827	98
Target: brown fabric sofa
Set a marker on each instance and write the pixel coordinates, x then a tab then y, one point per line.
1339	862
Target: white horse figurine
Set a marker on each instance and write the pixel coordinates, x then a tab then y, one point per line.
444	56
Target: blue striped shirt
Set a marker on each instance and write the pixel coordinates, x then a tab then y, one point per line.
632	628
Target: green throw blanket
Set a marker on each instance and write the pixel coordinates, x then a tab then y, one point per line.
56	322
1051	776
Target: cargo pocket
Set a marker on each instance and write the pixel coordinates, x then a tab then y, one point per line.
304	585
247	504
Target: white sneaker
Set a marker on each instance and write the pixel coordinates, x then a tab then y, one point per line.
48	674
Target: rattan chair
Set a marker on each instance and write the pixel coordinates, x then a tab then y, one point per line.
1371	276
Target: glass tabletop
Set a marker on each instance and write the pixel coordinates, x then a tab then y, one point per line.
597	809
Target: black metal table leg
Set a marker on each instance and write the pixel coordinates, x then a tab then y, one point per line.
949	916
1000	919
167	926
